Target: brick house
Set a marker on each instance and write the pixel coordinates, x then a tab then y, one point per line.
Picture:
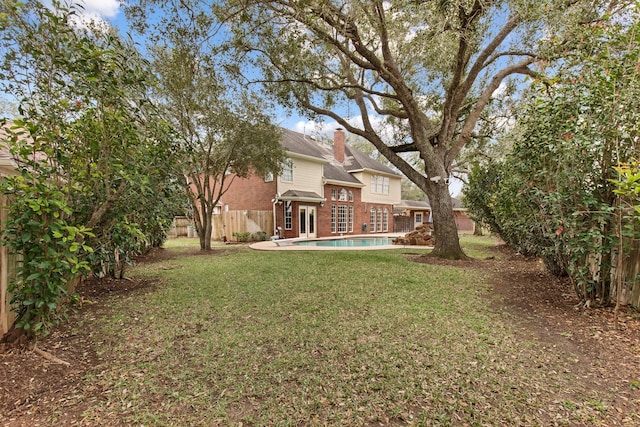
409	214
324	190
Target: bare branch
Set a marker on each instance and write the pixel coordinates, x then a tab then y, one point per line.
460	92
521	67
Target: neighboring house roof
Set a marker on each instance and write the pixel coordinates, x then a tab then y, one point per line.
298	144
414	204
458	205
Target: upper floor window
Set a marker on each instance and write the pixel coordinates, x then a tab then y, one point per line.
268	177
380	184
287	171
343	195
334	194
350	196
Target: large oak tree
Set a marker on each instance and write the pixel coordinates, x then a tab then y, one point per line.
428	70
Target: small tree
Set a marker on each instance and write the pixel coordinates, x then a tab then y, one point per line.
222	134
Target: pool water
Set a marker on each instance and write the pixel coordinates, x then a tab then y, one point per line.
354	242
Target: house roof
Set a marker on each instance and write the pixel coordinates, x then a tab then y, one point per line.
301	196
303	145
337	173
298	143
360	161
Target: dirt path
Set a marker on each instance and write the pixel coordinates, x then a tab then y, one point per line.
542	307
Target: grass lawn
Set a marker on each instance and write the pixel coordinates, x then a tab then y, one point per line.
248	338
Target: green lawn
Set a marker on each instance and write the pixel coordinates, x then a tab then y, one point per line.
322	338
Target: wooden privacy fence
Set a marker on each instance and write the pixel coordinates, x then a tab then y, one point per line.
7	274
630	292
227	223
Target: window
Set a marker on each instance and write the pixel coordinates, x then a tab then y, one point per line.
372	220
333	218
334	194
343	195
380	184
350	219
268	177
288	215
379	220
350	196
418	218
287	170
342	219
385	220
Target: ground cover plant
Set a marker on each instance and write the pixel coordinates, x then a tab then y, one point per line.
239	337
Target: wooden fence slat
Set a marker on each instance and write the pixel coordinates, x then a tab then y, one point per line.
227	223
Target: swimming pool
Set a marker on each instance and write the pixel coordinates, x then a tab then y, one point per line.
351	242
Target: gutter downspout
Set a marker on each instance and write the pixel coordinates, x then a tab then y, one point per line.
275	226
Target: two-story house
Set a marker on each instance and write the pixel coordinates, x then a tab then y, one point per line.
324	190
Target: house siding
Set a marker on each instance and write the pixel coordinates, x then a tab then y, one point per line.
309	186
395	189
307	176
361	215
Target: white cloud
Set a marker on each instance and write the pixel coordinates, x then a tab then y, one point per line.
93	12
101	8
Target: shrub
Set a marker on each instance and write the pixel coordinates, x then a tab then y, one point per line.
259	236
241	237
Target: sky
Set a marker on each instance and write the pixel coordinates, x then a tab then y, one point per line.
110	11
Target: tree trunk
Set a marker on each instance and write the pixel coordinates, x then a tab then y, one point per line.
447	243
207	228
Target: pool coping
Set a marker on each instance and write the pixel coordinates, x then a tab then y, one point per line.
273	245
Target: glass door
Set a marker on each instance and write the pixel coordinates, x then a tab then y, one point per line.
307	222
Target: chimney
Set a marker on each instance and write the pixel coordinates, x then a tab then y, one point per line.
338	145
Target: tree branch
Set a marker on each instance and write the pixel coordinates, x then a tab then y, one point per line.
461	92
521	67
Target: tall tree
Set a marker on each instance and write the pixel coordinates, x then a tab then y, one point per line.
428	68
223	133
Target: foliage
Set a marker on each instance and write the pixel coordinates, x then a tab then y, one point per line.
259	236
85	89
95	142
628	186
223	132
554	195
241	236
50	248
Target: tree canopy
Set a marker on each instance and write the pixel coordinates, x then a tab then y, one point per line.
427	70
96	182
223	132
